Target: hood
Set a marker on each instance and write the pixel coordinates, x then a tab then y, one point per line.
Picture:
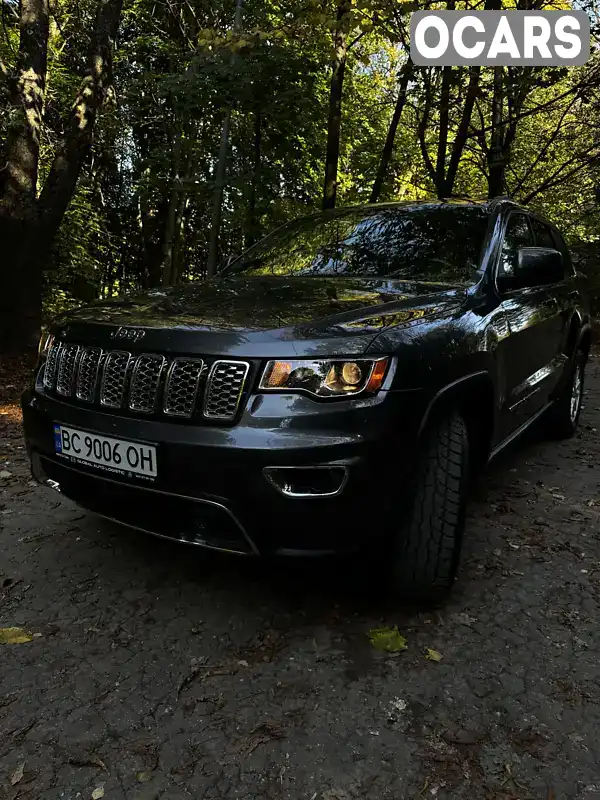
254	311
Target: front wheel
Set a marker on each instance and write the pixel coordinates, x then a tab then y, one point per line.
563	416
425	549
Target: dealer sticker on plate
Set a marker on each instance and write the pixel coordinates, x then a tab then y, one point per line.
105	453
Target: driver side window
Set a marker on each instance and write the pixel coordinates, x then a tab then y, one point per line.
518	234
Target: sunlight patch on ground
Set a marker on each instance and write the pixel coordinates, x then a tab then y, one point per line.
11	412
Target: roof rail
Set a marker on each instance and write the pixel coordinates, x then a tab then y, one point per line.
502	199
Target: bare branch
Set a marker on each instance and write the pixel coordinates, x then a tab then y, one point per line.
552	181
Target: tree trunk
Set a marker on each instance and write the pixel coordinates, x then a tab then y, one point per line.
179	243
28	235
440	162
66	168
252	225
462	133
172	210
20	285
221	173
18	179
496	163
388	147
334	122
423	125
20	279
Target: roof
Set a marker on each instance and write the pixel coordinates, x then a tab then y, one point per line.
455	201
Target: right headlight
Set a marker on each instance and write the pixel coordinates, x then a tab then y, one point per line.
325	378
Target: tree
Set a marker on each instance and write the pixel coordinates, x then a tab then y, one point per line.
29	220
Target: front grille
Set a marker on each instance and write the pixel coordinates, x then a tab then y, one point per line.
66	369
148	383
225	386
112	386
51	365
87	376
182	386
145	377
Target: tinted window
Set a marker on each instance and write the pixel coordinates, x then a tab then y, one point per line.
518	234
435	243
543	234
560	245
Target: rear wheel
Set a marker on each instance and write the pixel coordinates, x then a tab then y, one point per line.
563	416
425	550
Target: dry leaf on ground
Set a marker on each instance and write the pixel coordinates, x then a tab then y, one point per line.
14	636
433	655
388	639
17	774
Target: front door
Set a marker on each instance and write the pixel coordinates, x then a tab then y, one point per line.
532	350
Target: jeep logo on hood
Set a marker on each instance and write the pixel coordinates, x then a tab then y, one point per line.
128	334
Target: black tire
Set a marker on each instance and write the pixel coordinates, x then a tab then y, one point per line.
426	548
563	416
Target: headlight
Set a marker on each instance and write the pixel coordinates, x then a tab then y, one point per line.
46	341
331	378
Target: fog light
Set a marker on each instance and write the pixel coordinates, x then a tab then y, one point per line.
320	481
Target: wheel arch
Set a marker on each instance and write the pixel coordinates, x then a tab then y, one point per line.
473	395
579	336
584	339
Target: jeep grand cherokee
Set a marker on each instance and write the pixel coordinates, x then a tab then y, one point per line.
332	388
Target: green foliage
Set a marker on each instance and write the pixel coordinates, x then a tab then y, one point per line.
180	66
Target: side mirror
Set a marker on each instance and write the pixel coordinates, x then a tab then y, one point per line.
538	265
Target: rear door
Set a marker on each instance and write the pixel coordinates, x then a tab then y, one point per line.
532	350
566	292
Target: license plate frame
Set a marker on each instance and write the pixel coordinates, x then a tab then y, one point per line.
113	455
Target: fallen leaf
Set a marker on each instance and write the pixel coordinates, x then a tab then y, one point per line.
388	639
17	774
88	761
143	777
433	655
98	793
14	636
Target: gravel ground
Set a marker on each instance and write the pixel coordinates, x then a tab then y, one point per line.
162	671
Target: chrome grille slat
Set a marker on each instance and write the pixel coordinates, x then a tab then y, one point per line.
182	387
51	365
145	382
224	389
87	375
114	375
65	378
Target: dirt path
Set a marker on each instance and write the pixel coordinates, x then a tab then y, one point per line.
162	671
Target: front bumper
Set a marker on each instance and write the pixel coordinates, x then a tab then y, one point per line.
215	485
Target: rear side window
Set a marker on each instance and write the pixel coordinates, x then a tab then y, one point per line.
518	234
543	234
561	246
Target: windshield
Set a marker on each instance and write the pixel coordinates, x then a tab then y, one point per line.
436	243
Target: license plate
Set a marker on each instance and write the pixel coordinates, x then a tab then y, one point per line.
105	453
